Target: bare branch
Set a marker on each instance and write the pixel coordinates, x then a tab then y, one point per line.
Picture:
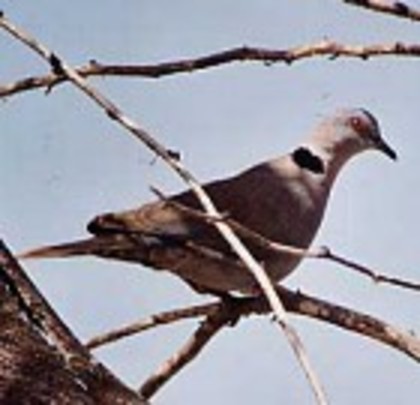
219	315
241	54
210	326
296	302
163	318
326	253
397	8
351	320
60	67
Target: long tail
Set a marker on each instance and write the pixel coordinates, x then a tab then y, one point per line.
82	247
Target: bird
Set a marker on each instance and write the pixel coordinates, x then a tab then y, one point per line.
282	199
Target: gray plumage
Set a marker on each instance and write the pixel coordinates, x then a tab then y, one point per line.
283	199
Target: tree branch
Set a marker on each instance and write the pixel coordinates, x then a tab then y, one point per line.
153	321
214	321
296	302
240	54
219	315
396	8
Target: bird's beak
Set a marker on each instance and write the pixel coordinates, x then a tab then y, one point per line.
382	146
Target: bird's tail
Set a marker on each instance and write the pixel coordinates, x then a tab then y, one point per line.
82	247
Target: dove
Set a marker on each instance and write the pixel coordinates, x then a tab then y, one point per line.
282	199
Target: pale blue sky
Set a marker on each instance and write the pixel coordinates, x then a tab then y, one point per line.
62	162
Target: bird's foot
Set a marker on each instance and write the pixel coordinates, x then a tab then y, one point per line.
231	304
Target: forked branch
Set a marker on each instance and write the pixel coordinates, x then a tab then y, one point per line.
219	315
213	322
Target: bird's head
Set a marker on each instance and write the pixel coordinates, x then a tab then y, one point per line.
345	134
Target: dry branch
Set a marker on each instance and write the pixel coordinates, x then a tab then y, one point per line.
219	315
209	327
296	302
163	318
241	54
60	67
396	8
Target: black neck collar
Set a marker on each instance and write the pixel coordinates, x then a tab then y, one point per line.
306	160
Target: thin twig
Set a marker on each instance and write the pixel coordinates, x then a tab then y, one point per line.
240	54
60	67
396	8
163	318
321	253
209	327
326	253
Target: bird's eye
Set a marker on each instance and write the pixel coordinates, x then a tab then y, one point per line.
361	127
357	124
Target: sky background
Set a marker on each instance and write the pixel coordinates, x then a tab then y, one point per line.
63	162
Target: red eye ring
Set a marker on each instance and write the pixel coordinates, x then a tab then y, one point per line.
360	126
357	124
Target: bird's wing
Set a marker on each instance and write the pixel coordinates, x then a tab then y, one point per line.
259	198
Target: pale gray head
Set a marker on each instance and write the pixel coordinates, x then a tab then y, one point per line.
349	132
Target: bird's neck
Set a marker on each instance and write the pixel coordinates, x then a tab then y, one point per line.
331	149
324	160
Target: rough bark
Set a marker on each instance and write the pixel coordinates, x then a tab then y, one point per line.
41	362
